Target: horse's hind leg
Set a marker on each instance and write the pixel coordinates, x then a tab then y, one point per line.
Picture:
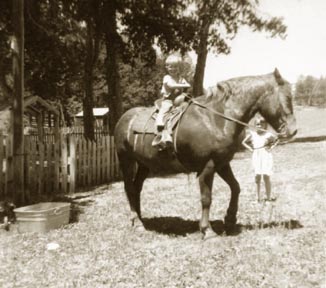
133	187
230	219
141	175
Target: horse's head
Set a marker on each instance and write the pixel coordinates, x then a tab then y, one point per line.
277	108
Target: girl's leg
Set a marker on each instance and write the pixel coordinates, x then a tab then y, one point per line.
268	187
258	180
165	108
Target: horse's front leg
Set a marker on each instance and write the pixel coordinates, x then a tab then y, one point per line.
230	219
205	183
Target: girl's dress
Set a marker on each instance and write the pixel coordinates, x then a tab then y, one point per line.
262	159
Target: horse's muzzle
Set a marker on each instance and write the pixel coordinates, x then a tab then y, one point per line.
287	132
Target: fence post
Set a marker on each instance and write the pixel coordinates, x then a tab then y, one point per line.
50	165
73	160
56	159
2	186
64	163
40	170
27	170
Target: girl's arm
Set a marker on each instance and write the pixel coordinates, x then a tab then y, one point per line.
178	85
274	144
272	141
172	84
245	144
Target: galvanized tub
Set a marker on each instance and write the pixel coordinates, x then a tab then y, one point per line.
42	217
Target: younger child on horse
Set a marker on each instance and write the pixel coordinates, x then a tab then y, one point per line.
173	85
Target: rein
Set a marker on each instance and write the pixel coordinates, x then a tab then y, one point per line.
231	118
253	128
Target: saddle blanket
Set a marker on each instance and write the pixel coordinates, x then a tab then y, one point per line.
144	123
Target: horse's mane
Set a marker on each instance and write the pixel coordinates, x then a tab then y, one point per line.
224	89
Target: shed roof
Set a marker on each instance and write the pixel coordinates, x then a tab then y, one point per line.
97	112
30	101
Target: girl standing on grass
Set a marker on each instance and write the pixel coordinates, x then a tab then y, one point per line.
260	143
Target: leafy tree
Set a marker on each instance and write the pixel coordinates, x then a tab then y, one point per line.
310	91
5	52
56	50
128	30
218	22
143	23
74	48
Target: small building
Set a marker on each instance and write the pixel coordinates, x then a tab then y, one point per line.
39	115
101	116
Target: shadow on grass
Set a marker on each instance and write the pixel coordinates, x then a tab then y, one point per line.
181	227
178	226
290	224
77	208
77	205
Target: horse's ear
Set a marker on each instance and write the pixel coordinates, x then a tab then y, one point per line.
223	90
278	77
208	93
220	87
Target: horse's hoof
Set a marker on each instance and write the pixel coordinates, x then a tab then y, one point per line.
139	228
137	225
208	234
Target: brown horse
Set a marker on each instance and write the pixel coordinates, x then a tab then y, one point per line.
205	142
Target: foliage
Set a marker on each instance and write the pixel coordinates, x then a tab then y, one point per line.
54	52
141	83
77	51
310	91
218	22
5	54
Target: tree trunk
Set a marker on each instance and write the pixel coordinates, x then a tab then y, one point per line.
313	92
18	103
88	101
112	67
201	59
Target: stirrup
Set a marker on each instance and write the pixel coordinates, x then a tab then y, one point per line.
157	140
166	137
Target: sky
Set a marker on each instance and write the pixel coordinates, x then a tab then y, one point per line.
303	52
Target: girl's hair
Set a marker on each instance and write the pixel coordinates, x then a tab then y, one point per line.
260	120
174	59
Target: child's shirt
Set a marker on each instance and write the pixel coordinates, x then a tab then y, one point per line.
168	82
261	141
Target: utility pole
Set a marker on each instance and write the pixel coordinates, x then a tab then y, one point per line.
18	101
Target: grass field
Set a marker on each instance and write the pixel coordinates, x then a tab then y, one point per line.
278	246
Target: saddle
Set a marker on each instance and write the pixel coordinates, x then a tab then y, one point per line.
144	123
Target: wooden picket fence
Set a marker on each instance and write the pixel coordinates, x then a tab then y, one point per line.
59	165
